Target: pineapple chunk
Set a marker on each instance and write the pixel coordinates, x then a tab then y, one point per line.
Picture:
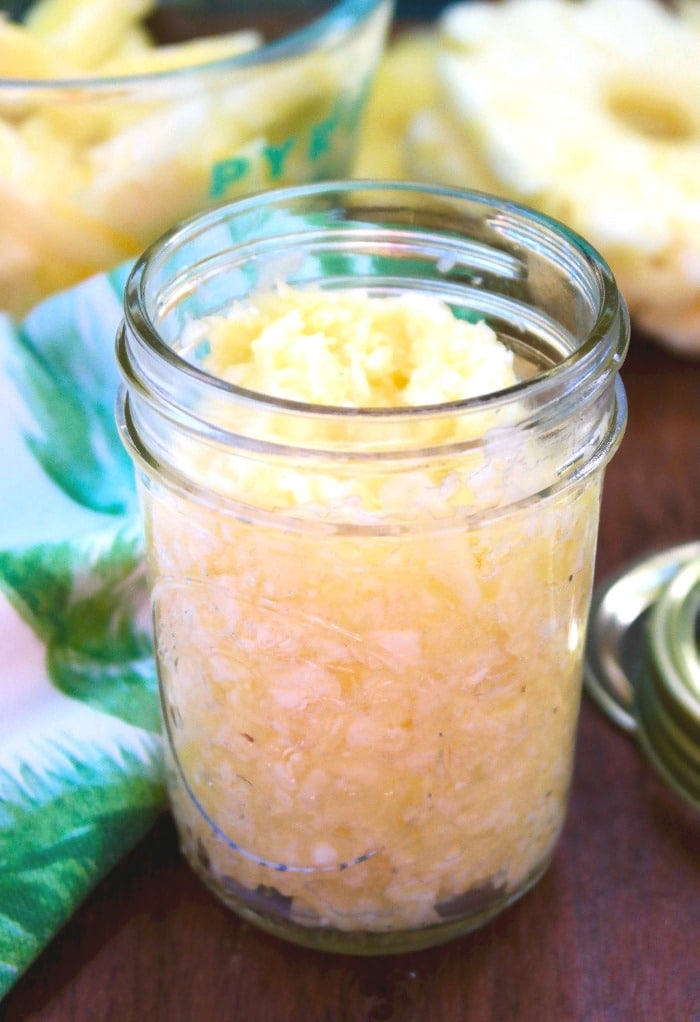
96	120
88	177
86	32
159	164
136	40
47	241
91	173
164	161
187	54
23	56
31	197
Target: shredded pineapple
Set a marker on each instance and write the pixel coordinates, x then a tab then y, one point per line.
368	732
347	349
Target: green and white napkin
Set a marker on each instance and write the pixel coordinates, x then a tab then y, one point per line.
80	770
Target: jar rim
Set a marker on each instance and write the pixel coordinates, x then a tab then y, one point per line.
589	355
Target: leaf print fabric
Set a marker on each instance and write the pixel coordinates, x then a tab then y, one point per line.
88	604
80	787
64	822
80	751
62	365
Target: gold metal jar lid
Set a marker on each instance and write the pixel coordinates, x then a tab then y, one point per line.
642	661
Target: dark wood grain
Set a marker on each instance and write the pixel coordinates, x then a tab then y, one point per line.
611	934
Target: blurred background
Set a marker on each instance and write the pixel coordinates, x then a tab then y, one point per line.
419	8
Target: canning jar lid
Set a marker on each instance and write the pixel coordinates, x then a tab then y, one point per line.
643	663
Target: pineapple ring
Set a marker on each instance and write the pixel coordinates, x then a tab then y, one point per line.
589	111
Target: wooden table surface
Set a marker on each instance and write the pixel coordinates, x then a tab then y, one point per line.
610	934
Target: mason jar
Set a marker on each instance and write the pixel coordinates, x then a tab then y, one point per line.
369	621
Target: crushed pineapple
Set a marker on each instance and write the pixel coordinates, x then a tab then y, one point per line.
369	731
347	349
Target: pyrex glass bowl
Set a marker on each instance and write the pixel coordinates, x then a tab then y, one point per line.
93	168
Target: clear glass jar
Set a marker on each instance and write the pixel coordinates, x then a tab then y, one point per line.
369	623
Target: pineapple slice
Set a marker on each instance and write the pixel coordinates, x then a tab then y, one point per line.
590	111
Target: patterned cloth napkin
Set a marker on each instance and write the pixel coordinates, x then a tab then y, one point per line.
80	771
